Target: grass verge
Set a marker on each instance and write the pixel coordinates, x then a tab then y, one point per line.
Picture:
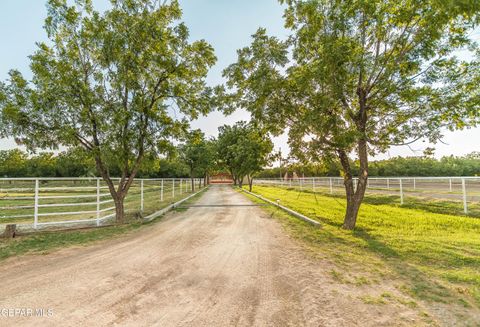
43	242
430	257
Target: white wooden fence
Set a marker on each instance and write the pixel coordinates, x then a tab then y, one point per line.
460	189
58	201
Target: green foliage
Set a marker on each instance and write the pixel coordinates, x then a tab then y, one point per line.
356	77
77	162
468	165
105	81
198	154
72	163
243	149
13	163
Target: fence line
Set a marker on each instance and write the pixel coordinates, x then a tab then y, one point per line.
47	201
463	189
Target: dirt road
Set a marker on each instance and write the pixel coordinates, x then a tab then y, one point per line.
222	262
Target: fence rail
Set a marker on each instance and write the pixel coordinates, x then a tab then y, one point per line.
37	202
464	191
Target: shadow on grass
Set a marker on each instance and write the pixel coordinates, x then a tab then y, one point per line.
416	283
454	208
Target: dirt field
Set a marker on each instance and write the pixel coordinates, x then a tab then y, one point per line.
222	262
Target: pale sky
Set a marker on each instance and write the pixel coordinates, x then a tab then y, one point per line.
226	24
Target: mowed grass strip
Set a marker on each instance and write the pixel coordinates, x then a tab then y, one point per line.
431	256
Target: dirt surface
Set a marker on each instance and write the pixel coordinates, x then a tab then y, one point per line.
222	262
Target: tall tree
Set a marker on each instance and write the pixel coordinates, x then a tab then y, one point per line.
356	77
198	154
244	150
107	82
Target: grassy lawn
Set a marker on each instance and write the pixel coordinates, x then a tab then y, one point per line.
44	242
432	203
431	257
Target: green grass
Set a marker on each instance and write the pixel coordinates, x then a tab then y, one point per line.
430	256
430	204
43	242
47	241
152	202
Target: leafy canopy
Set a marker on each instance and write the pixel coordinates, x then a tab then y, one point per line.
198	153
109	82
382	71
243	149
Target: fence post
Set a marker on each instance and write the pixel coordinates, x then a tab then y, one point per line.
464	191
414	184
290	182
450	184
98	201
173	188
141	195
181	181
313	184
161	191
401	190
35	212
331	186
388	184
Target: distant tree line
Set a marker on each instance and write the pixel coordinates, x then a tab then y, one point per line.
241	150
468	165
77	163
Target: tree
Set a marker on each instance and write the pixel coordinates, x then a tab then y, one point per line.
43	164
198	154
356	77
106	82
75	162
244	150
13	163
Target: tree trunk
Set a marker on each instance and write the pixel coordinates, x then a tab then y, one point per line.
10	231
354	195
353	205
192	180
250	183
118	195
119	210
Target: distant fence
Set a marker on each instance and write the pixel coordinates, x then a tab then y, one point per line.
40	202
462	190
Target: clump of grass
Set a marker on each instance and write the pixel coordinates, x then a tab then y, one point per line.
368	299
362	280
338	276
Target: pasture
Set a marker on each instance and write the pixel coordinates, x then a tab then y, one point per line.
60	201
433	257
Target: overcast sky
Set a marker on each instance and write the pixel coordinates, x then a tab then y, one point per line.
226	24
